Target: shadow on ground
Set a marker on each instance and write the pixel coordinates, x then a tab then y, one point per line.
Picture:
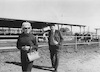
34	66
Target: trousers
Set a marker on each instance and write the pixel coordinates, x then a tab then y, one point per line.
54	55
26	65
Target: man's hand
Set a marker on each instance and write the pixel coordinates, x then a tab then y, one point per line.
26	48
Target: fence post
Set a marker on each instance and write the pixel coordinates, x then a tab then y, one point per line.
37	39
99	40
76	44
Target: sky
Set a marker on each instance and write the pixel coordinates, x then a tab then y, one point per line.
81	12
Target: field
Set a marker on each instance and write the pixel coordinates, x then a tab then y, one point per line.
86	59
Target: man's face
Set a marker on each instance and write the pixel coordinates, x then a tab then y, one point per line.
27	29
52	27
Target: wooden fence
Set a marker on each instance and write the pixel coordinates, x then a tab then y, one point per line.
68	40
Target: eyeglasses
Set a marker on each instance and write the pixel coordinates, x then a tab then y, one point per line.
26	28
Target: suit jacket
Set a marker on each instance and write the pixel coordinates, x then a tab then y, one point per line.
57	36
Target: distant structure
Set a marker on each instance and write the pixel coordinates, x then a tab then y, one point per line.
97	31
75	25
12	26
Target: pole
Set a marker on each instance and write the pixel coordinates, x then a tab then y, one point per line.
80	29
58	27
71	29
84	29
99	40
37	39
76	44
88	29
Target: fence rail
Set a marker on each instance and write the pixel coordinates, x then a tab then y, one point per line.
73	40
68	40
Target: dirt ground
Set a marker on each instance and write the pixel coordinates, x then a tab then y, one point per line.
86	59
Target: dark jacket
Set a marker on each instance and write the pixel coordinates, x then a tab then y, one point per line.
29	40
57	36
26	39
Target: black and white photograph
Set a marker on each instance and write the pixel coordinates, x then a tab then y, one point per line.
49	35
